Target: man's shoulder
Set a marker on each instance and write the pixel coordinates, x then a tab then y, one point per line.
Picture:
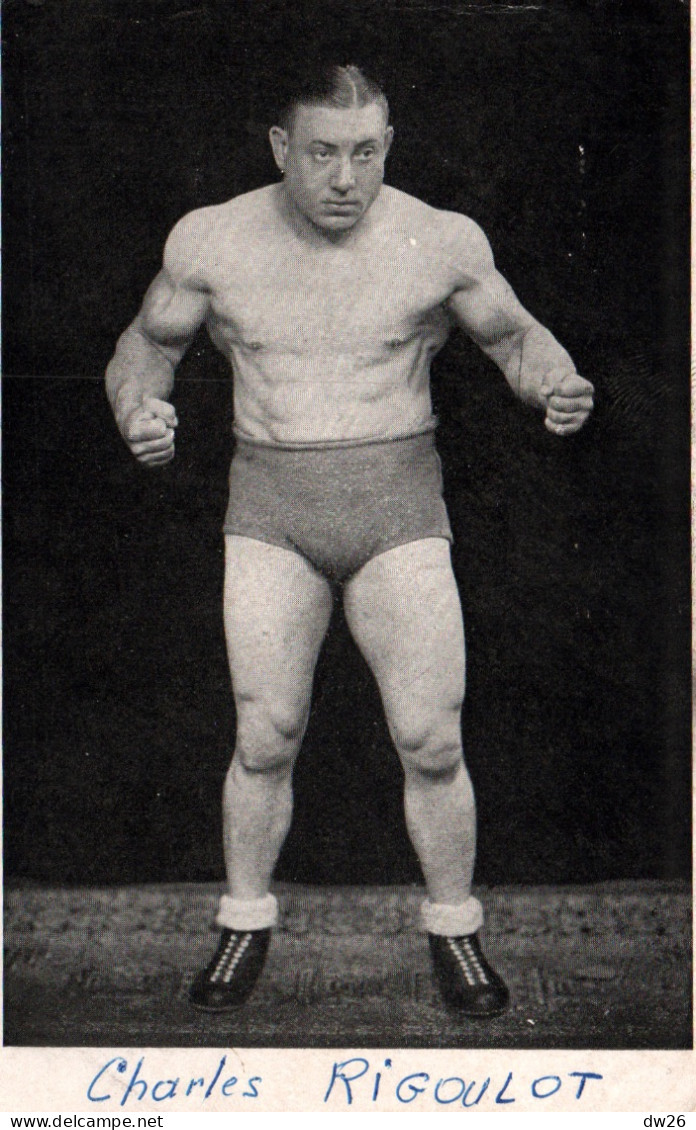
459	234
450	231
198	234
207	222
407	205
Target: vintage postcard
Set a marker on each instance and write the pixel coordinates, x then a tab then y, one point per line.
347	748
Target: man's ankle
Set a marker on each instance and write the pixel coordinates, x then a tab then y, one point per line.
453	920
247	914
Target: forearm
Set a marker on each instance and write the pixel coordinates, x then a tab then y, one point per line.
138	369
526	356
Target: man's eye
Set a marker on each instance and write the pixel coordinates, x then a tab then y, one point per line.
366	154
322	154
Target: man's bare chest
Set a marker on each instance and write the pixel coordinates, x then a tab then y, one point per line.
342	302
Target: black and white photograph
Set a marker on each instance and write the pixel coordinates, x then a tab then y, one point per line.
346	520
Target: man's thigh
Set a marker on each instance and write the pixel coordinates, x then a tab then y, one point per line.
404	612
276	610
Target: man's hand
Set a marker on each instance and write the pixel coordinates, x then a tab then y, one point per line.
149	432
569	401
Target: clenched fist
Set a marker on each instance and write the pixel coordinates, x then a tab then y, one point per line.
149	431
569	401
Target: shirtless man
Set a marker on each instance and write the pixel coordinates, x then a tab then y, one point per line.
330	293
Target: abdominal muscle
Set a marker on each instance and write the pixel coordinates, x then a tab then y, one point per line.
329	398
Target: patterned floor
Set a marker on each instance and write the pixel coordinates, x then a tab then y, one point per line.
604	966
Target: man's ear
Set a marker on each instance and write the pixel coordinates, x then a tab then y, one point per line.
279	144
388	138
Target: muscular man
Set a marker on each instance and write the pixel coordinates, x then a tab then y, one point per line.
330	293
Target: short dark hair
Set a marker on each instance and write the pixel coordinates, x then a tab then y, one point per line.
344	87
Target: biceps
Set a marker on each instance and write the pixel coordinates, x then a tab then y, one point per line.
171	314
489	310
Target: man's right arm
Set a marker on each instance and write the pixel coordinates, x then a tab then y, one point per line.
140	375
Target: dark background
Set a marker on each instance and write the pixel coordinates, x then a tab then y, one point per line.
563	130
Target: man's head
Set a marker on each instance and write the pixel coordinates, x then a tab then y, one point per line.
331	147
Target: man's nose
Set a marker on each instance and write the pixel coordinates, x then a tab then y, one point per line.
344	176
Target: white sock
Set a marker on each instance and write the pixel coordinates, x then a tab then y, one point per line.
450	920
247	914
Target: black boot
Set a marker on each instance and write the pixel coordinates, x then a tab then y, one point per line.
232	972
466	980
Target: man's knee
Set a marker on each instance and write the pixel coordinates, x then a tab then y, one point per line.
269	735
433	748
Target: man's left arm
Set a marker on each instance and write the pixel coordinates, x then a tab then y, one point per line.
535	365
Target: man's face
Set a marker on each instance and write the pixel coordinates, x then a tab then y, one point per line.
333	161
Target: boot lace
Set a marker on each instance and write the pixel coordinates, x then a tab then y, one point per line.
468	960
227	959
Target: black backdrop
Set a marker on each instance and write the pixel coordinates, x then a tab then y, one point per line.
563	130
